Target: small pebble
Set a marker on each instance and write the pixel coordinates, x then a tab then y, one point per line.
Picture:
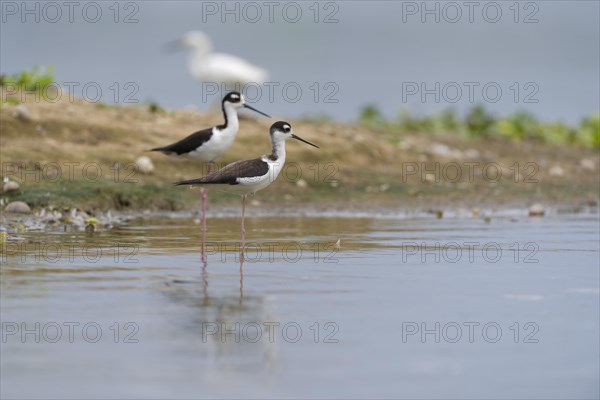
17	207
301	183
431	178
10	186
144	165
537	210
557	171
20	112
587	164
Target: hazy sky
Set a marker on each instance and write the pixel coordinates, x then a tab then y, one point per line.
542	56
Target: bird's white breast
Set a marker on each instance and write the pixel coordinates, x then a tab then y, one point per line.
255	184
218	143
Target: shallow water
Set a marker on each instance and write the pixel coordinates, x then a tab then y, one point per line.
412	307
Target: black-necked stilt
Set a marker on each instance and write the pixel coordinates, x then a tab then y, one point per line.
207	66
209	144
249	176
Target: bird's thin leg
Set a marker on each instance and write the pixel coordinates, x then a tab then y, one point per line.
203	217
241	280
211	164
243	229
205	282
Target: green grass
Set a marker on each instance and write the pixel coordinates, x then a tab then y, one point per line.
155	108
478	122
35	81
90	195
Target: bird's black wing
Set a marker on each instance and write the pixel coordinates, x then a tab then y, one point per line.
229	174
188	144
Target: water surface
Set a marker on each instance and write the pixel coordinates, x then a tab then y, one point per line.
412	307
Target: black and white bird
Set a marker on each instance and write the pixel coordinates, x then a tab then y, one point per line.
249	176
211	143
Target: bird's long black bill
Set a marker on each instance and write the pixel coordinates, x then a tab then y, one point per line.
255	110
305	141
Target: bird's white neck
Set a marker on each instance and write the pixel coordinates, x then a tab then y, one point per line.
278	150
230	114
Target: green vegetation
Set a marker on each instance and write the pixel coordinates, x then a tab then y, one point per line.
38	80
478	122
155	108
89	195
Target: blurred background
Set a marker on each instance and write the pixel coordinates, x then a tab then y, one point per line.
367	50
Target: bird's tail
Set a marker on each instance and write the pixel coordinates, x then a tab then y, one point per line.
164	150
196	181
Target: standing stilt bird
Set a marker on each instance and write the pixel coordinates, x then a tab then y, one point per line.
249	176
209	144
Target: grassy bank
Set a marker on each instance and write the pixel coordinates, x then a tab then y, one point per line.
80	154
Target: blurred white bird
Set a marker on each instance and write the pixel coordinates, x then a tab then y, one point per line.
206	66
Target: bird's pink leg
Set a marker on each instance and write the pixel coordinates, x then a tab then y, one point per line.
242	249
241	281
203	217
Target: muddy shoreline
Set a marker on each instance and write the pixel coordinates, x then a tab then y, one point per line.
65	156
